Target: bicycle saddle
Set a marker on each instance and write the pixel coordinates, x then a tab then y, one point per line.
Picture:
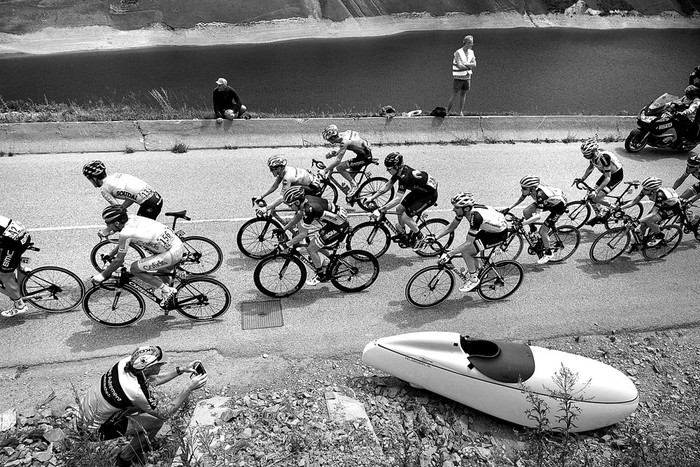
178	214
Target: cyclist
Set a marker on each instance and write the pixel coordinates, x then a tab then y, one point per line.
422	193
287	177
612	173
334	227
349	140
549	205
125	403
692	168
119	186
14	241
487	227
666	205
161	241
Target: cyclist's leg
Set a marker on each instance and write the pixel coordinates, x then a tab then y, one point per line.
342	169
414	204
528	212
10	256
162	262
692	193
151	207
650	223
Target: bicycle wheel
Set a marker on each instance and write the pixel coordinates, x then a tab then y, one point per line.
330	193
370	187
577	213
510	249
114	307
279	275
373	237
102	254
609	245
202	255
500	280
672	238
255	238
431	227
202	298
430	286
564	243
635	212
354	270
53	289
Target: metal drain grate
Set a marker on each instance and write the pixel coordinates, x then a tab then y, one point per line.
261	314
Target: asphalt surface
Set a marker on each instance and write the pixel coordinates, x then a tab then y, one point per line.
49	195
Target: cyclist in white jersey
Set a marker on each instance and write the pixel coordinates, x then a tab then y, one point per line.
487	227
692	168
349	140
286	177
14	240
124	402
158	239
610	167
128	188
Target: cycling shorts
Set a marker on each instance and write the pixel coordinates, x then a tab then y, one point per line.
415	202
330	235
361	160
484	239
151	207
615	179
667	213
166	259
11	252
555	211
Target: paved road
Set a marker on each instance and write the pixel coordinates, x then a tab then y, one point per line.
49	194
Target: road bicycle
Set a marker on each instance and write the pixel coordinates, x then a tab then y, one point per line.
50	288
258	236
579	212
119	301
282	274
367	185
615	241
564	240
376	235
201	256
688	219
433	284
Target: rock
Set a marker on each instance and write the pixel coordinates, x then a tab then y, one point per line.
54	435
8	419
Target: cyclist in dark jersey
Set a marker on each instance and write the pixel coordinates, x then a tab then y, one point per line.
14	240
422	193
312	209
692	168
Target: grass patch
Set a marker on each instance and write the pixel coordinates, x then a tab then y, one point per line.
8	154
463	141
129	150
179	148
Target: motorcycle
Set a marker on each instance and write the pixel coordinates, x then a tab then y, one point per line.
657	128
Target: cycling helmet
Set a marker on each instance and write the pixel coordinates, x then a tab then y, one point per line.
329	132
463	200
589	147
295	193
276	161
692	92
94	169
145	357
651	183
114	213
529	182
393	159
694	162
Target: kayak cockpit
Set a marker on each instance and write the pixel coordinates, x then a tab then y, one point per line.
506	362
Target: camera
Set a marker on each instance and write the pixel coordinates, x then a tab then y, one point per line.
199	368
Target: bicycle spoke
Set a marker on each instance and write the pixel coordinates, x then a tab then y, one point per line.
53	289
202	299
429	287
201	256
500	280
113	307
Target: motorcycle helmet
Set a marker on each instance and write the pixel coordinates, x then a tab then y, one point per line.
393	159
589	147
651	183
529	182
463	200
691	92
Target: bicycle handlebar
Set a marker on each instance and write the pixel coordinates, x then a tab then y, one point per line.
318	164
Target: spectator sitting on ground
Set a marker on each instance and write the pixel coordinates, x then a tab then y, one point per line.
227	104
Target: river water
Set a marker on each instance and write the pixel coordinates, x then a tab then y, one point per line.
520	71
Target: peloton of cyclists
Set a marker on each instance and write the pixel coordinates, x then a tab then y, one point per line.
286	177
666	205
422	193
334	227
692	168
549	205
164	245
119	186
487	227
612	173
14	241
348	140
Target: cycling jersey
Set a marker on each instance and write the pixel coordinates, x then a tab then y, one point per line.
665	199
415	180
606	161
547	197
14	241
117	391
352	141
293	176
485	218
11	230
149	234
325	212
124	186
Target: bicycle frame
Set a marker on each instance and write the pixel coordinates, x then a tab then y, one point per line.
536	248
581	185
342	185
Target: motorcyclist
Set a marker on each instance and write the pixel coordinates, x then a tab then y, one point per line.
686	109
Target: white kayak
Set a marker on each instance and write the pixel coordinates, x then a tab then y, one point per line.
484	375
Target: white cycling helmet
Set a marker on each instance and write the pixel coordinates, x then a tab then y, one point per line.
651	183
277	161
463	200
294	193
589	147
329	132
529	182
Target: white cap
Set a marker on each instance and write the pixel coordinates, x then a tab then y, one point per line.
222	81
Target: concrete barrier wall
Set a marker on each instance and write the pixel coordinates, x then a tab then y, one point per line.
161	135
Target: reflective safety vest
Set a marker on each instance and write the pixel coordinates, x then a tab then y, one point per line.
466	57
